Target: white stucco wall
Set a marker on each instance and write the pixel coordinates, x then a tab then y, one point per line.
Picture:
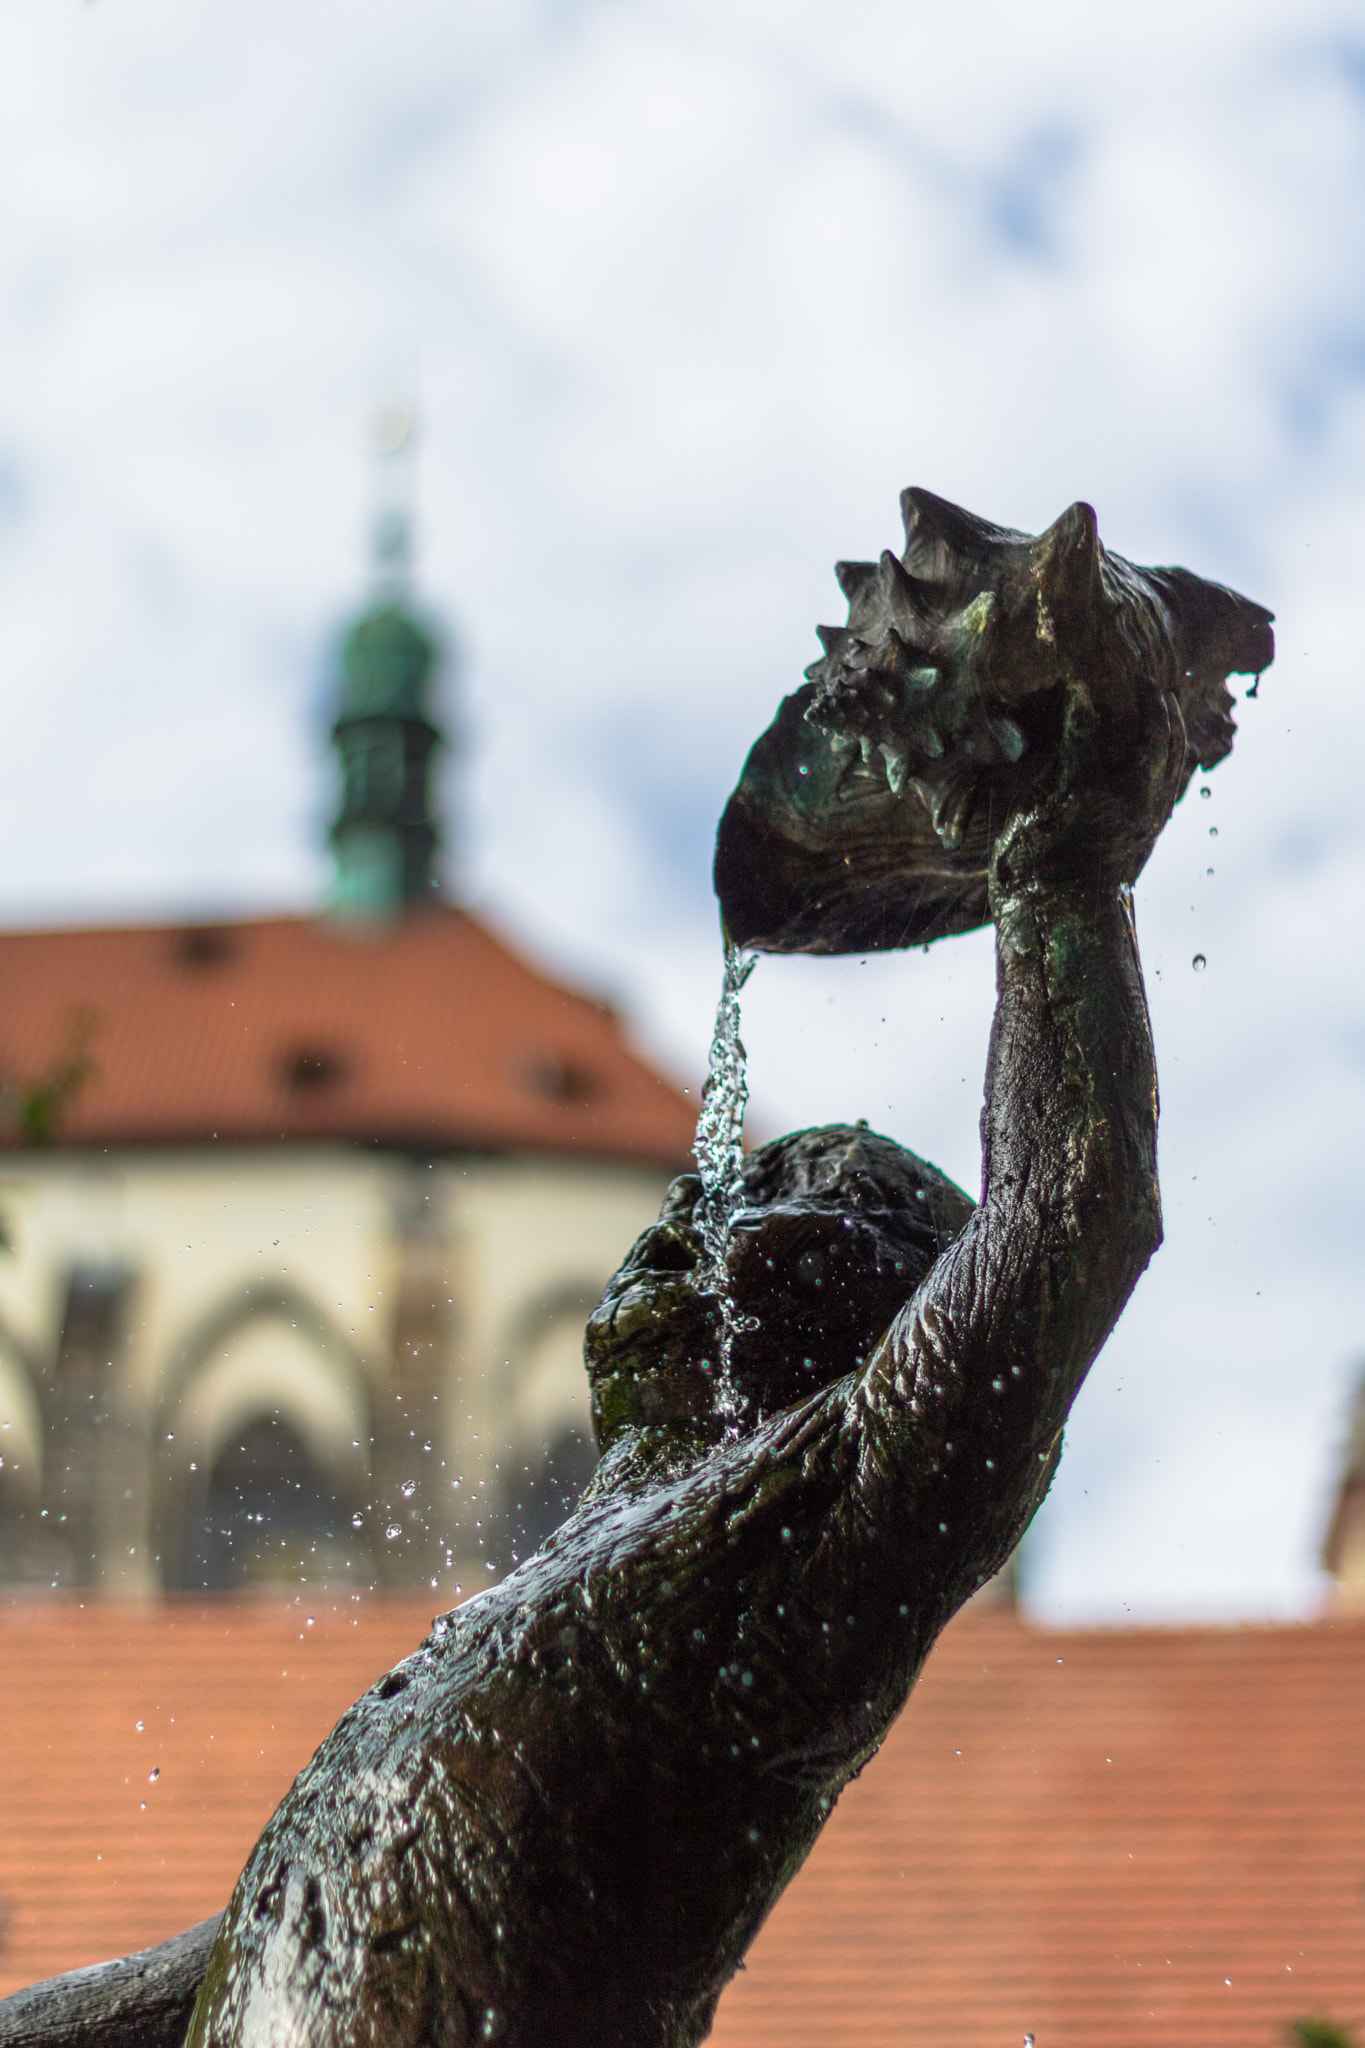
271	1278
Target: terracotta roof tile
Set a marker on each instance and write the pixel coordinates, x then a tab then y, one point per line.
1083	1837
233	1696
1100	1839
427	1032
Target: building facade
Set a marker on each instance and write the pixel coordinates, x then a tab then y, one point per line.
314	1365
1343	1550
305	1215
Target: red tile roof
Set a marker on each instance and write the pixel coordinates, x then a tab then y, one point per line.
1082	1837
1098	1839
224	1699
427	1032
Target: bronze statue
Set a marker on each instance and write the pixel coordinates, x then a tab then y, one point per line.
562	1820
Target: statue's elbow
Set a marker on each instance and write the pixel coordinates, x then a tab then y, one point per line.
1149	1231
1130	1231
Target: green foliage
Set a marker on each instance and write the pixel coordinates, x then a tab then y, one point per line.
35	1109
1318	2033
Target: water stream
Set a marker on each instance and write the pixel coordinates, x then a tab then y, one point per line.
719	1148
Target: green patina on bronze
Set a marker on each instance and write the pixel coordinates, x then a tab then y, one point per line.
866	815
562	1820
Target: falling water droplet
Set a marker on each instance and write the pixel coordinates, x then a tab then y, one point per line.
153	1774
1199	963
393	1532
138	1726
357	1521
1213	831
409	1488
1206	792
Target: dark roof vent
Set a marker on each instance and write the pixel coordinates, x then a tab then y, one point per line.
312	1067
202	945
556	1079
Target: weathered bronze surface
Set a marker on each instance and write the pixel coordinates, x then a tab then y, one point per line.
140	2001
866	814
561	1821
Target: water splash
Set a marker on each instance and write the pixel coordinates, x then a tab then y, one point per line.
719	1149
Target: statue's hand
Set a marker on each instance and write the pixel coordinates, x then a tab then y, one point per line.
1110	784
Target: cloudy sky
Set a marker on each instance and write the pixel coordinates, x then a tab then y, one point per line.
689	289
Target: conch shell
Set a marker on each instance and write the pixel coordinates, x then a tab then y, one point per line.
863	818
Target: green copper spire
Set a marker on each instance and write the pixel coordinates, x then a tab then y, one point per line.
385	836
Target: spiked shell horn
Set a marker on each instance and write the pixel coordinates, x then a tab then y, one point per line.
863	818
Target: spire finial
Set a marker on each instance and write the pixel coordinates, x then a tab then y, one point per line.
385	836
393	476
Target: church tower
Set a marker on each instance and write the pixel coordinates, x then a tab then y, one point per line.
385	836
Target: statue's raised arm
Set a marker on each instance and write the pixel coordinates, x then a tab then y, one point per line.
563	1818
999	733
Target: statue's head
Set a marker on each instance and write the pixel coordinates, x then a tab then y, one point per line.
834	1229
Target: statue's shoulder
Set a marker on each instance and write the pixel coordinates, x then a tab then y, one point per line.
641	1541
686	1522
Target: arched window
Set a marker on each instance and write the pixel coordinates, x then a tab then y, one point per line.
549	1454
15	1522
264	1456
544	1485
266	1515
26	1553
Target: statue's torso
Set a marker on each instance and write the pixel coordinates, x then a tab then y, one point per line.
572	1807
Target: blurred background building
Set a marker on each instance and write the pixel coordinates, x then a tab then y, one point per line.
1343	1552
305	1214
